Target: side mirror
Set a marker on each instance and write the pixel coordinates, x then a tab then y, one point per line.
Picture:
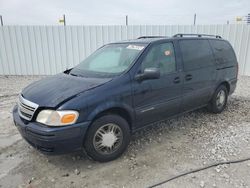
149	73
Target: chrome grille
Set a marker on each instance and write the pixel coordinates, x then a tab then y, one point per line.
26	109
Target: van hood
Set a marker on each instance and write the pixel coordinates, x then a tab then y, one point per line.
52	91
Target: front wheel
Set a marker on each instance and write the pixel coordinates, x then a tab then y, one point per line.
107	138
219	100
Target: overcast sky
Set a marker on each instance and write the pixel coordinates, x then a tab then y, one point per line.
112	12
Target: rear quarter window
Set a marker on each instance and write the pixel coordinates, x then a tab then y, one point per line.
196	54
223	52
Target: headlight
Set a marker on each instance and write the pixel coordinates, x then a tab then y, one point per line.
57	118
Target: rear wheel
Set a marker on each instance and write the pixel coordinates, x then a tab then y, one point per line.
219	100
107	138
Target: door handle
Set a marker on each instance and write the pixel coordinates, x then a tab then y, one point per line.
177	80
188	77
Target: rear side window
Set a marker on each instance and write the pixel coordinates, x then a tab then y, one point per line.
223	52
196	54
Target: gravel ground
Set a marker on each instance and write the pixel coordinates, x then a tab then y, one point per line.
162	151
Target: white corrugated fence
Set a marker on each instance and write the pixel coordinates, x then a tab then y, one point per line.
46	50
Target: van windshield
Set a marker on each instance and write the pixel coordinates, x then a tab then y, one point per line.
108	61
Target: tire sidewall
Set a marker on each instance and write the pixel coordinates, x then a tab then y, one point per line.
88	144
215	108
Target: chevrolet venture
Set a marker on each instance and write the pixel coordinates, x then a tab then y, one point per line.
123	87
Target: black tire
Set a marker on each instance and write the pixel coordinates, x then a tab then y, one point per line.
213	105
92	134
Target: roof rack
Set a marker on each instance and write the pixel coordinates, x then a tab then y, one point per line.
198	35
146	37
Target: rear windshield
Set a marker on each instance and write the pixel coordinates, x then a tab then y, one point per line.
223	51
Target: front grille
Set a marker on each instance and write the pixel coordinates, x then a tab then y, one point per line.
26	109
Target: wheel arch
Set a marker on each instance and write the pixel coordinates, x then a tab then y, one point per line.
121	110
225	83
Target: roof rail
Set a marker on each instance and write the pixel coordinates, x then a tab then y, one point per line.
146	37
197	35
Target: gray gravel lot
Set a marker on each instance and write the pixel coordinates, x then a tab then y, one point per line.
156	153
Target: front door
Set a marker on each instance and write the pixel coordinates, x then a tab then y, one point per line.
156	99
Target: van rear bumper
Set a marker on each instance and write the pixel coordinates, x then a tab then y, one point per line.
51	140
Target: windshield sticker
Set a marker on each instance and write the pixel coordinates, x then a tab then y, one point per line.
134	47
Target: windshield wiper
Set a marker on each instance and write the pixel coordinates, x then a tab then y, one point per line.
73	74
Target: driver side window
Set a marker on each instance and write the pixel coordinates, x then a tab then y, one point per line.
160	56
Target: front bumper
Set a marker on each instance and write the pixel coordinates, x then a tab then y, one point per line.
51	140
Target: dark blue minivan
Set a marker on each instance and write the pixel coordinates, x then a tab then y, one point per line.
123	87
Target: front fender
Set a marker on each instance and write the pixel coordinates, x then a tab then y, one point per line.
111	105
